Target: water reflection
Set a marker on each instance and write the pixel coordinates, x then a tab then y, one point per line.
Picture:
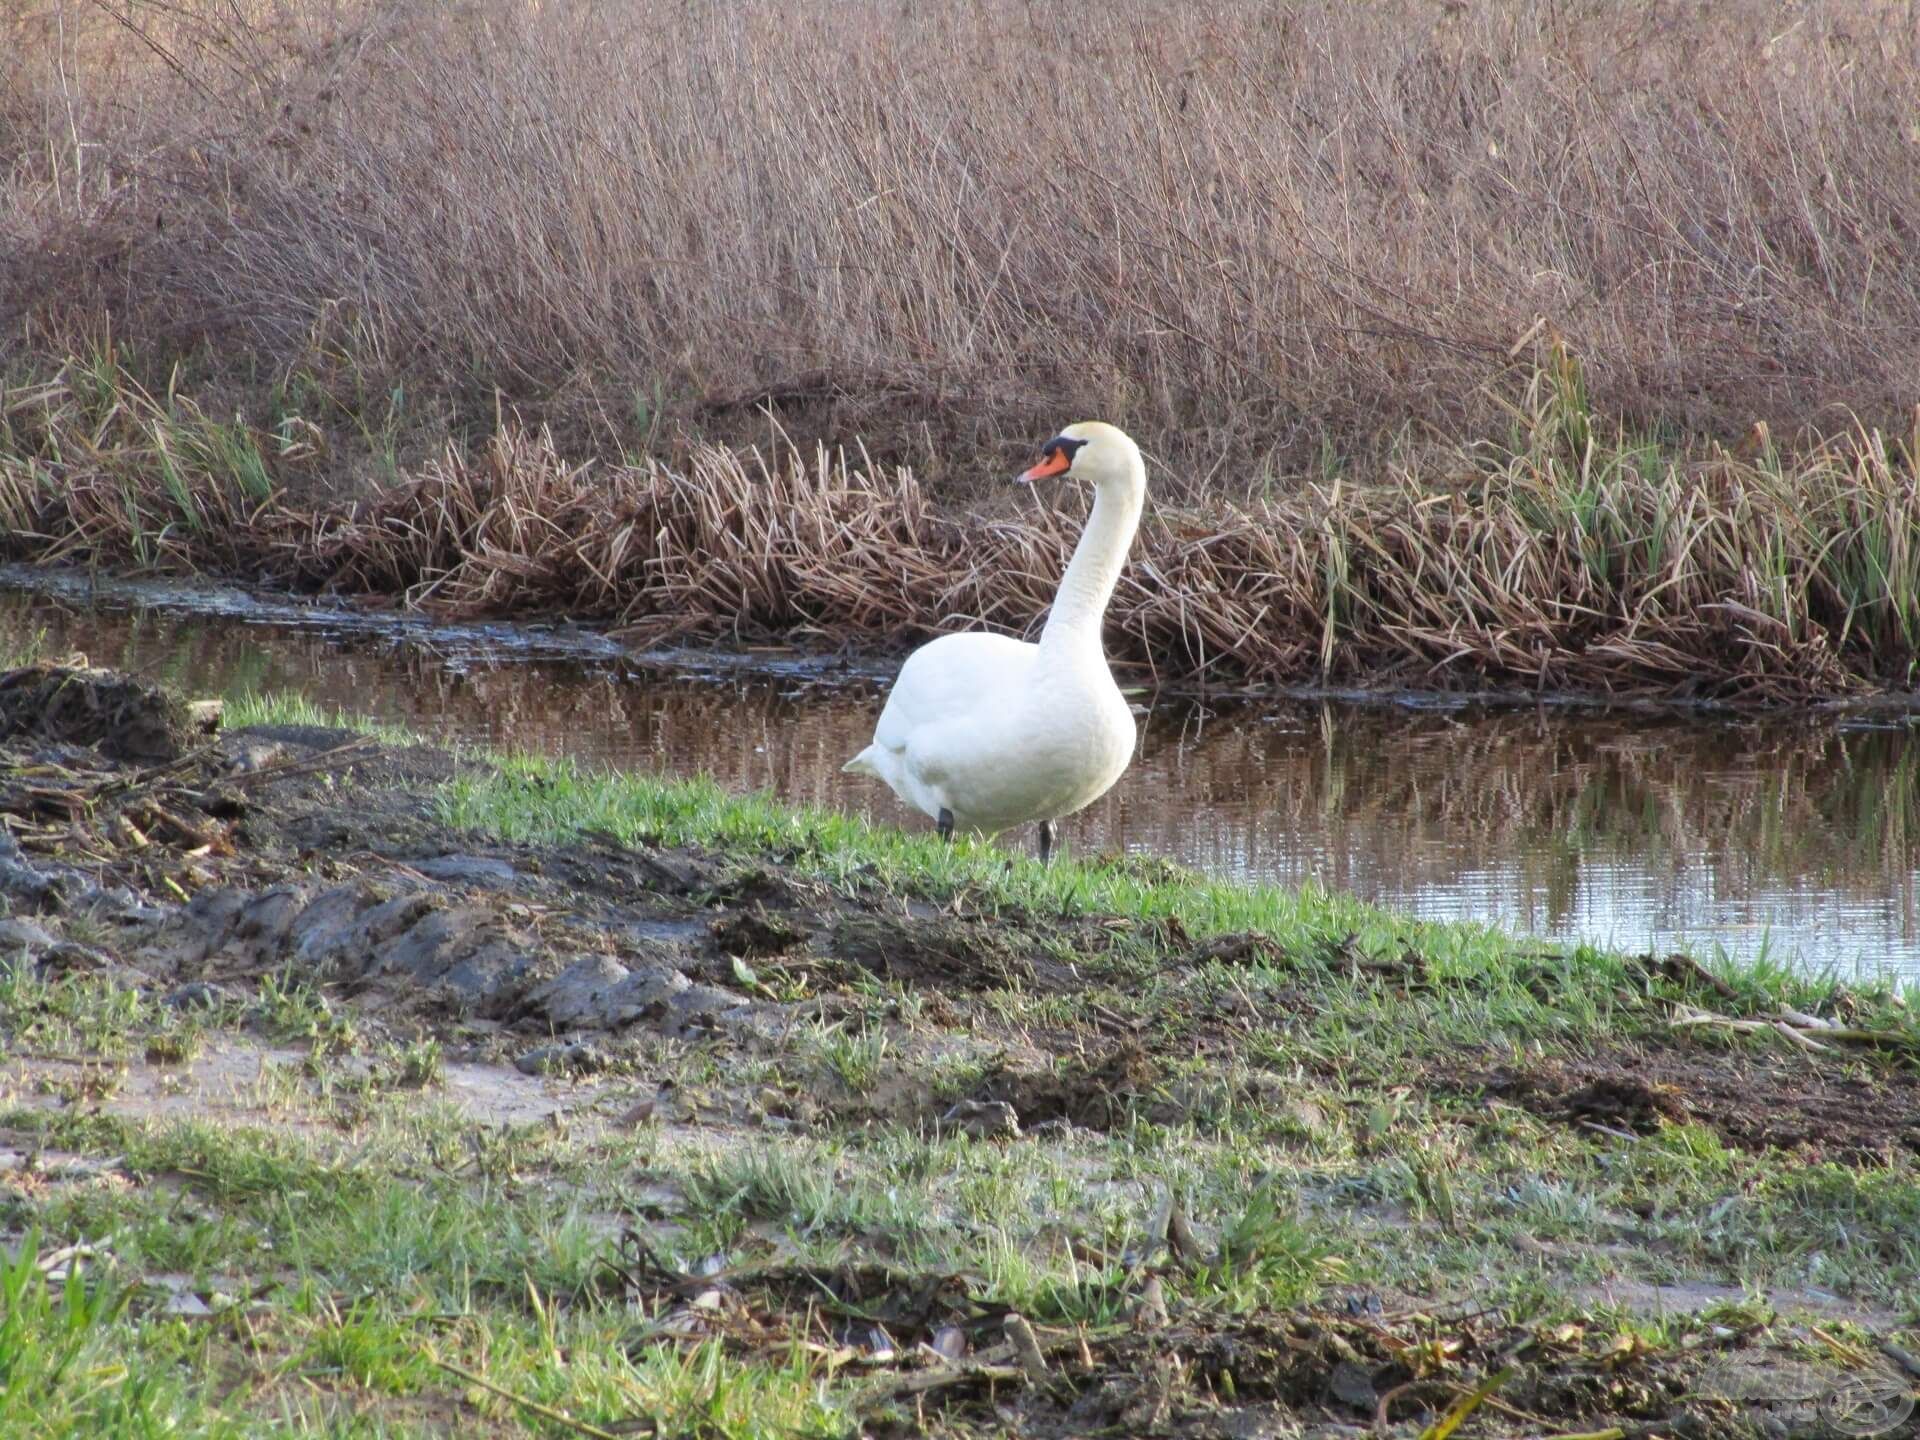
1802	836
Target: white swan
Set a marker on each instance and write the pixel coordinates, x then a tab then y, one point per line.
985	732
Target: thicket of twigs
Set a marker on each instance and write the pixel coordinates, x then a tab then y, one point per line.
1266	237
471	305
1572	559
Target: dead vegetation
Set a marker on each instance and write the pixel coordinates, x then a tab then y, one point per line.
1568	559
915	1343
1266	240
105	768
471	308
125	719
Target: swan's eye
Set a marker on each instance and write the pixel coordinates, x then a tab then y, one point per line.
1056	458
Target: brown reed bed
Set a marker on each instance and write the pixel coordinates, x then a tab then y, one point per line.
1568	560
1266	238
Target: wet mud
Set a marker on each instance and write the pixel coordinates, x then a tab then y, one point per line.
1751	1101
313	857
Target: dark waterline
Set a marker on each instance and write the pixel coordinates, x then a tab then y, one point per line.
1798	836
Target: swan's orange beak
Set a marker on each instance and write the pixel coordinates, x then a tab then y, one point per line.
1055	462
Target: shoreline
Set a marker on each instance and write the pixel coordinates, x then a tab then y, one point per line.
545	637
1534	567
534	1045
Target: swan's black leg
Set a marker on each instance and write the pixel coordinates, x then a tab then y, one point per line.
1046	842
945	823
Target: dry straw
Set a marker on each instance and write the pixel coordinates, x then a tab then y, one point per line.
1563	562
1260	236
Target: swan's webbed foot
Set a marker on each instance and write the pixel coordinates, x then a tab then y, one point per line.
1046	842
944	824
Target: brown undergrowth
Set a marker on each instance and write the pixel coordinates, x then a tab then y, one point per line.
1296	251
1264	238
1564	559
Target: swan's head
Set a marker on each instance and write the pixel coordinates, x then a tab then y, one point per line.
1092	452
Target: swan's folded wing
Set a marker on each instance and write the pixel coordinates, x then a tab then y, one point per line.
952	677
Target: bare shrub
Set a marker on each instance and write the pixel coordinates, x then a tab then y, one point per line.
1264	237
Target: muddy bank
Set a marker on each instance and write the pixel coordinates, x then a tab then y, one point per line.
311	857
317	857
730	999
1563	821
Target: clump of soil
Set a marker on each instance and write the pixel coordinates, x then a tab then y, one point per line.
1624	1102
755	932
1751	1102
933	949
1094	1094
119	716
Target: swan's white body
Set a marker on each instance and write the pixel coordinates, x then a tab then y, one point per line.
998	732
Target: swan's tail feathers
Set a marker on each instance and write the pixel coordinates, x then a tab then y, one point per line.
862	764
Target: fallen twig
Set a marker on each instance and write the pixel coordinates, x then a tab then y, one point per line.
1801	1034
1798	1037
1850	1354
545	1412
1026	1346
1614	1131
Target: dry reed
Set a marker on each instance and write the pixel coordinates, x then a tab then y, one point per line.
1263	237
1566	561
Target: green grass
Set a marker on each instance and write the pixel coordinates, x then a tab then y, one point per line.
1488	982
250	706
360	1259
376	1258
367	1247
854	1058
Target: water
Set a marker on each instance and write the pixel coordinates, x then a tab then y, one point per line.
1796	837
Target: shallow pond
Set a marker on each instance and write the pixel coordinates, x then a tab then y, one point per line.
1798	837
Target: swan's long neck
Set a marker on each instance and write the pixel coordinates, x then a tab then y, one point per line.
1073	625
